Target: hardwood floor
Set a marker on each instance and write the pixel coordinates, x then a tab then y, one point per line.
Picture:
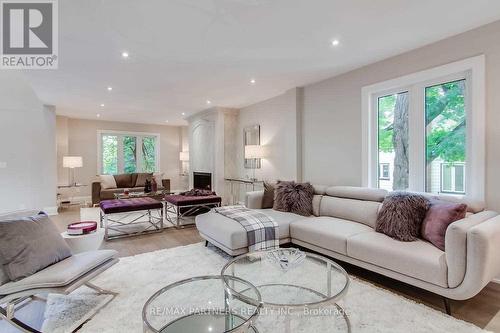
483	310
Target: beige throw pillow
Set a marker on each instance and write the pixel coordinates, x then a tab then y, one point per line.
28	245
107	181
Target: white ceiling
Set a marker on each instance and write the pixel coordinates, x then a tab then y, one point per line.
183	52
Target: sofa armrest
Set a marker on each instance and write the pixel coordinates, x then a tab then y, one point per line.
483	246
96	193
456	245
253	200
166	184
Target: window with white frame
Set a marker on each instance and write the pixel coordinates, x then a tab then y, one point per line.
453	178
385	171
424	127
123	152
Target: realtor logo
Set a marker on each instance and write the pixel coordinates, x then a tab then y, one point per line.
29	34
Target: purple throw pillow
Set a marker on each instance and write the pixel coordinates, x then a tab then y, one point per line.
402	215
439	216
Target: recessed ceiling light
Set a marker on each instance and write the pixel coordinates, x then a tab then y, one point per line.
184	113
102	105
125	54
209	102
110	88
166	121
98	115
335	42
252	81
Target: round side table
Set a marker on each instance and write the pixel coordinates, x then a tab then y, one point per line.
84	243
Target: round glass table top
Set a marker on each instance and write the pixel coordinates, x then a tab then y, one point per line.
289	277
202	304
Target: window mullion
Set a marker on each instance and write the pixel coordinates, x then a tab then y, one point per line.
120	155
139	154
417	139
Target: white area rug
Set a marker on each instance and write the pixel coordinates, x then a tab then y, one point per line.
370	309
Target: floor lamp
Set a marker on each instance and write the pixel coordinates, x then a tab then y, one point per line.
72	162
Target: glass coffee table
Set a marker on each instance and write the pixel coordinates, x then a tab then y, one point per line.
303	287
203	304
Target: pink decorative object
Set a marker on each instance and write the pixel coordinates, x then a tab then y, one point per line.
82	228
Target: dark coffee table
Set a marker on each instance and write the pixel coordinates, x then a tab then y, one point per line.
180	208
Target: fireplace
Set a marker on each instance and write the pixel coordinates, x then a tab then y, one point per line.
202	180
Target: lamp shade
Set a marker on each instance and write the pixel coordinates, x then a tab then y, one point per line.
184	156
254	151
72	162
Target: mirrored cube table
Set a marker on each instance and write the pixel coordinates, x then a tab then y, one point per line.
203	304
299	290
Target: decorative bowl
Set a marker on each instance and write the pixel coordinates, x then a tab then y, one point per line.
286	258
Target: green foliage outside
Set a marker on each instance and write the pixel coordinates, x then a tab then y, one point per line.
130	154
386	107
445	122
109	154
130	165
148	154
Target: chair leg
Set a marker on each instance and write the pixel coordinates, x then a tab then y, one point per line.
447	306
100	290
8	315
206	243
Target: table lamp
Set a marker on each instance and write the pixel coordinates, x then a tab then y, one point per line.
72	162
254	153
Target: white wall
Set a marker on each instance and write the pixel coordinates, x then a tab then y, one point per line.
82	141
28	147
332	109
279	120
329	120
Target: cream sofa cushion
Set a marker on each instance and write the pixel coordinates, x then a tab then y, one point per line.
107	182
327	232
316	204
350	209
359	193
62	273
418	259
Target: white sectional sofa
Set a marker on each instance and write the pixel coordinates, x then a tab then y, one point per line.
342	227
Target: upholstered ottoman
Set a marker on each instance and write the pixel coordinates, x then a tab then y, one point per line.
179	207
231	237
128	217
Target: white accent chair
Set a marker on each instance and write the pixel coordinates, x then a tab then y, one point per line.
60	278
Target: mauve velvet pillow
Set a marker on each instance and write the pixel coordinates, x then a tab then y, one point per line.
294	198
402	215
439	216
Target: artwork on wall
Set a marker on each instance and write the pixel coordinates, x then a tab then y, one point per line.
251	137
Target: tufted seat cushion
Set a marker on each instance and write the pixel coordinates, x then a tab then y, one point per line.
129	205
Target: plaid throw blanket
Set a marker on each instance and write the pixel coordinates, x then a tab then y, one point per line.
262	230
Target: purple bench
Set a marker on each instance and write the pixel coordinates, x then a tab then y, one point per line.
182	206
121	206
